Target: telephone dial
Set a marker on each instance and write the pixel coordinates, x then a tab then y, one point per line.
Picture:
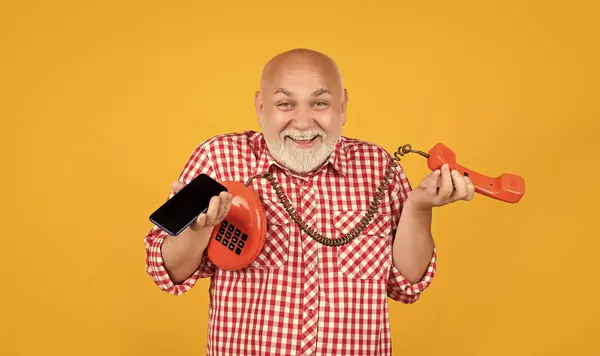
240	237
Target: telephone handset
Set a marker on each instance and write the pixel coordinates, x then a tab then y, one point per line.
507	187
240	238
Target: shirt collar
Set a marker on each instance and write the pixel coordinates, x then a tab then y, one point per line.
337	158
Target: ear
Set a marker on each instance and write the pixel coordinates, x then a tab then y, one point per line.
344	107
258	105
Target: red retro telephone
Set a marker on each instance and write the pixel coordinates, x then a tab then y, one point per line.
239	239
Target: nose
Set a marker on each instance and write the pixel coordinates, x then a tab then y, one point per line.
303	119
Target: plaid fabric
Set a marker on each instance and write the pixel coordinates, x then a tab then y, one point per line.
300	297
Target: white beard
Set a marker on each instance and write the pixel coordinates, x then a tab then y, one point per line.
301	160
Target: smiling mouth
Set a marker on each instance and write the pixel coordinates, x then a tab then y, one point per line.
303	143
304	140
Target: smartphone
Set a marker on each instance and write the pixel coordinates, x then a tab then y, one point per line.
179	212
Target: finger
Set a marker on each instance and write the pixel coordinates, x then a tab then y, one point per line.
200	222
429	179
211	213
229	204
460	186
177	186
446	186
222	203
228	200
470	188
430	183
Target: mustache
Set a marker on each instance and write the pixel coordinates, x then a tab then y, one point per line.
294	133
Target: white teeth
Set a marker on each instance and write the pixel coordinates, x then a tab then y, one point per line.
302	138
305	136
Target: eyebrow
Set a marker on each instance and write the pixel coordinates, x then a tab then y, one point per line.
314	93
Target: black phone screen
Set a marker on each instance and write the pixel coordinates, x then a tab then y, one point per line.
183	208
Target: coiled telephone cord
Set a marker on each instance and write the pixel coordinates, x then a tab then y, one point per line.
355	232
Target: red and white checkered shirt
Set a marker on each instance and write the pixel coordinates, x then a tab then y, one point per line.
300	297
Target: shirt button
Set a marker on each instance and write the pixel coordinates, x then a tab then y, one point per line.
311	312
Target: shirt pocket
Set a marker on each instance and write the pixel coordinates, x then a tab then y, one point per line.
369	255
275	251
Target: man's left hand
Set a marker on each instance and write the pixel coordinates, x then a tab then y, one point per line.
441	187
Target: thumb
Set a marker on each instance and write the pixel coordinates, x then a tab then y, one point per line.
177	186
431	181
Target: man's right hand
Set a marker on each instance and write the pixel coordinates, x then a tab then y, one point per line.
218	209
182	254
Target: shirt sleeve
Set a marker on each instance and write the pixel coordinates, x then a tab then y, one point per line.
198	163
398	287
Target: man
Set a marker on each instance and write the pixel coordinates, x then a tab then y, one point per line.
300	297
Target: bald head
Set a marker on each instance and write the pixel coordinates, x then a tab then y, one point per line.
297	59
301	108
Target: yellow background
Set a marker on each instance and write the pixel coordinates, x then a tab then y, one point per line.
102	103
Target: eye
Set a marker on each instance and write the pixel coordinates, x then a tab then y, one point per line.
285	105
320	104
